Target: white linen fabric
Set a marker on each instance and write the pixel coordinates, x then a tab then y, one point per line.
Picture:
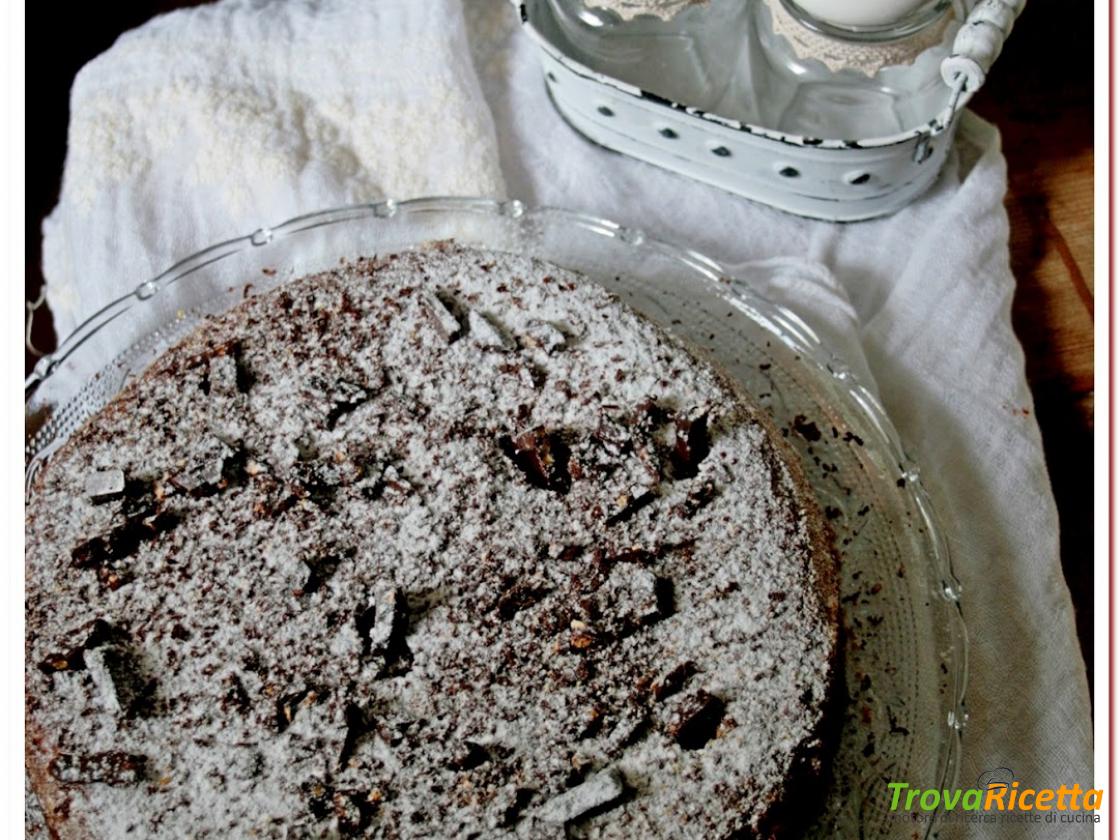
211	122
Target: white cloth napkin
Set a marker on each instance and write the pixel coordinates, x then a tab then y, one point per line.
204	121
214	121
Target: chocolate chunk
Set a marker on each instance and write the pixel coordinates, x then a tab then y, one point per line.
92	553
357	725
101	632
113	579
347	812
216	465
105	485
600	790
629	503
383	626
630	728
110	768
441	316
638	556
694	721
289	704
319	480
691	445
227	371
119	678
543	335
542	456
138	497
320	570
486	333
673	680
124	540
468	755
245	376
221	376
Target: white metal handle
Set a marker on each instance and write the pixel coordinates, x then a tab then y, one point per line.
979	42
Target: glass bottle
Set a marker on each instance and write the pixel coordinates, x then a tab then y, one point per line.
839	76
678	49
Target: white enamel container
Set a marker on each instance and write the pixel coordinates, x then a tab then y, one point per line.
846	180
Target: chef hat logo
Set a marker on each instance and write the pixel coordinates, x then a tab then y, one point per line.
996	778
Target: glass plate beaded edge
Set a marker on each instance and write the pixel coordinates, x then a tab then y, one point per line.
904	644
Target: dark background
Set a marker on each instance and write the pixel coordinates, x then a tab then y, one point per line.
1040	95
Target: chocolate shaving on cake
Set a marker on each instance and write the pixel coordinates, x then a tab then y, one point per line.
119	678
542	456
486	333
690	445
105	485
545	336
441	316
382	626
599	790
673	680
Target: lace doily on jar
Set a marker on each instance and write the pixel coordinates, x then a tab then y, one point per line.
861	56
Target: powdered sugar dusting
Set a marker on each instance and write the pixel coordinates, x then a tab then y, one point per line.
444	544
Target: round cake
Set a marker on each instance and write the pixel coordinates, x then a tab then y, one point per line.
449	543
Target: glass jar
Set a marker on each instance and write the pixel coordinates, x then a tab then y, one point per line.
683	50
848	79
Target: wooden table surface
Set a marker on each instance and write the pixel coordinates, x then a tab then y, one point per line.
1044	108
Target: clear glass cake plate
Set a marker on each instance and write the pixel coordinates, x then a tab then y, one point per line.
904	644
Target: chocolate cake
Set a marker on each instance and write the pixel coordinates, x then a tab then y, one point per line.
448	543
